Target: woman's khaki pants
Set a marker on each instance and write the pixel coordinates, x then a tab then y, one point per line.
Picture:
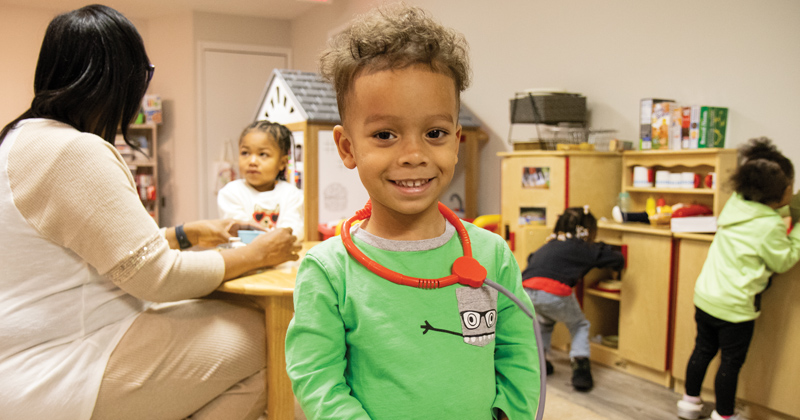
197	359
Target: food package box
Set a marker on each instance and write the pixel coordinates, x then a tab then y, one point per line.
646	121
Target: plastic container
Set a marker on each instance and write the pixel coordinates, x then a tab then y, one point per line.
624	202
650	206
248	236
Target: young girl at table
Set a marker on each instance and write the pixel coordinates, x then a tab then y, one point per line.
750	245
263	195
552	272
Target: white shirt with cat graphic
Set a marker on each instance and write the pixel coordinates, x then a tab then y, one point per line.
280	207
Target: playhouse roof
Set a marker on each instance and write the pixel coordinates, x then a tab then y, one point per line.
295	96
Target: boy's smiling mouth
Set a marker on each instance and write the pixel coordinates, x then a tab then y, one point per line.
412	183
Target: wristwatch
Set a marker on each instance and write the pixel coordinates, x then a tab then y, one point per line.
183	241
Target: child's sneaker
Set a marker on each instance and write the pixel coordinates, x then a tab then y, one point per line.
582	374
548	367
689	410
716	416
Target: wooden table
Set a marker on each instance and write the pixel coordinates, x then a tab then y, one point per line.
272	289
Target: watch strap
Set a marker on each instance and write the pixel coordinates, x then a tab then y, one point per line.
183	241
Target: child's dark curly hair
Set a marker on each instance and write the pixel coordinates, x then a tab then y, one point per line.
763	173
575	222
279	133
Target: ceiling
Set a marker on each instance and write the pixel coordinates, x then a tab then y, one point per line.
144	9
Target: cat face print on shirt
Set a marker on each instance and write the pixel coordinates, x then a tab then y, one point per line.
266	218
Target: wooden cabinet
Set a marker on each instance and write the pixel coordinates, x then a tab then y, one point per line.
768	381
536	187
640	314
699	161
144	166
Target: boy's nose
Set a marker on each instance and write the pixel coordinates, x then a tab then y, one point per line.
414	152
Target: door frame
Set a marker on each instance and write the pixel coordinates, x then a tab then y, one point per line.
204	47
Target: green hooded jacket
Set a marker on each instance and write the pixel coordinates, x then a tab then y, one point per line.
750	244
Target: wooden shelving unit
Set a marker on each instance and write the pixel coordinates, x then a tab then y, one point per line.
700	161
575	178
144	168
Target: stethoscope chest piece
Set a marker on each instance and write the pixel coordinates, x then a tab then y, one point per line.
469	271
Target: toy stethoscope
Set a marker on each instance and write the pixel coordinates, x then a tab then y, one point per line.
466	271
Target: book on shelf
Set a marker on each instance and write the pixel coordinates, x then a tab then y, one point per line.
661	124
686	124
713	124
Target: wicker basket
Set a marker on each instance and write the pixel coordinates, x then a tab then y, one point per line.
548	108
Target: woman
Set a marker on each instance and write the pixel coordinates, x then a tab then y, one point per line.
82	261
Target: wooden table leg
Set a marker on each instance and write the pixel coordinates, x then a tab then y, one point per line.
280	399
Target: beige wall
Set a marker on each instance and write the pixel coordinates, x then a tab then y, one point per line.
22	31
740	54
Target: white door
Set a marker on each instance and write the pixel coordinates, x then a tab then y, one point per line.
231	80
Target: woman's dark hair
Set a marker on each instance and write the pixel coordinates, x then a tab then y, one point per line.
279	133
92	73
575	222
763	173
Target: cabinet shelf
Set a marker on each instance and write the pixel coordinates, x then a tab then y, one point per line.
602	294
702	162
653	190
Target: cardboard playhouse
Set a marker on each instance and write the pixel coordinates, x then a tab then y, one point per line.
306	105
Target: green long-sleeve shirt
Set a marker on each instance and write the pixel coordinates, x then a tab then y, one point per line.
750	244
362	347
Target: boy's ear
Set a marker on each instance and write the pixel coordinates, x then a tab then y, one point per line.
458	140
344	145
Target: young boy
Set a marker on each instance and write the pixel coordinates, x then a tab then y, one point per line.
361	346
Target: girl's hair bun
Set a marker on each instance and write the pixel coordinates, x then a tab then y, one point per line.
758	148
764	172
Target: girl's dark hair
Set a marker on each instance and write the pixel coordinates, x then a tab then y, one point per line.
92	73
279	133
763	173
575	222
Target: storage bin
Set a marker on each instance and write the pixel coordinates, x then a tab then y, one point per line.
547	108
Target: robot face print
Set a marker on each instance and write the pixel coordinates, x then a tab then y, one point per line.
478	311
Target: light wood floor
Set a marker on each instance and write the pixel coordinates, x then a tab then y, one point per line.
616	396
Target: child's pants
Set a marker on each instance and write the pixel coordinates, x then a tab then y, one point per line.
200	358
550	309
733	339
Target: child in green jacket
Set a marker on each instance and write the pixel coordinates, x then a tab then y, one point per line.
750	245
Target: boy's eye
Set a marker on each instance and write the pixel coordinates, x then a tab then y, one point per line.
385	135
436	134
244	153
264	155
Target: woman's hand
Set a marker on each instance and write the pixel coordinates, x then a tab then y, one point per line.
210	233
276	246
267	250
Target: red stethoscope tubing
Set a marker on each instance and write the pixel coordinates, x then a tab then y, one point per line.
466	270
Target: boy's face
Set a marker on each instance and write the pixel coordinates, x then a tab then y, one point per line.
260	160
401	131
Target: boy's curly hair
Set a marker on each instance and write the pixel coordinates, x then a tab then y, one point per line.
763	173
393	37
